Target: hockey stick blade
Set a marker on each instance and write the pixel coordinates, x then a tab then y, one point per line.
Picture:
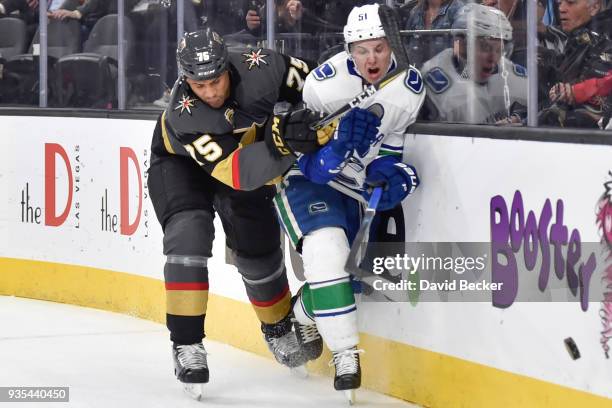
355	255
389	21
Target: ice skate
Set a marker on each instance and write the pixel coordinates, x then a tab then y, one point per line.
191	368
348	372
283	343
309	339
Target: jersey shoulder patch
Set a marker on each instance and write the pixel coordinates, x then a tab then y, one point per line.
520	70
188	115
413	80
324	71
255	58
437	80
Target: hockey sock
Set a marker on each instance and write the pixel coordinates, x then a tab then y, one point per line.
335	313
302	308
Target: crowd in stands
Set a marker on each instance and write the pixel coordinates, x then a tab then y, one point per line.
574	51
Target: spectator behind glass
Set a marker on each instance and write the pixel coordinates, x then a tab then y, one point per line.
223	16
291	17
299	30
549	36
551	44
88	12
28	12
24	7
452	76
586	56
430	15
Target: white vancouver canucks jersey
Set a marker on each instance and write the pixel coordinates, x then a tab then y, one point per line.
451	95
336	82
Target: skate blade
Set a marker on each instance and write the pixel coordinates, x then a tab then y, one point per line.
194	390
350	396
299	371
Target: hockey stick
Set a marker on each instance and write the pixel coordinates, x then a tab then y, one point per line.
355	255
389	21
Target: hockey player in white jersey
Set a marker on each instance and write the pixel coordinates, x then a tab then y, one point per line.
319	199
482	86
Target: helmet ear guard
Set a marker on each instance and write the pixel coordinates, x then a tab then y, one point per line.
201	55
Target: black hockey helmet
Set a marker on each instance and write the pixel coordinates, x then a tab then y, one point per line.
201	55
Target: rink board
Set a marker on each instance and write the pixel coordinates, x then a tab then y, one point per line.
77	226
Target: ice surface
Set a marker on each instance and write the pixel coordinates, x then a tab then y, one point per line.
109	359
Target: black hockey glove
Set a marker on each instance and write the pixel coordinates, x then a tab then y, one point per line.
289	132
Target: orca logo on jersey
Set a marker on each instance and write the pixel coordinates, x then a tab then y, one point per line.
437	80
325	71
520	70
414	81
277	138
318	207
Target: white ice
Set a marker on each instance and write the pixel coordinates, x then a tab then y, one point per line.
113	360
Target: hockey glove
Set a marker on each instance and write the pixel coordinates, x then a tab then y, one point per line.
289	133
397	178
322	166
358	130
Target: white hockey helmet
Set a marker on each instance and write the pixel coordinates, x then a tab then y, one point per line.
363	23
485	21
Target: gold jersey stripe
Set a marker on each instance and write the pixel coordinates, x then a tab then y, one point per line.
165	135
224	171
249	136
186	302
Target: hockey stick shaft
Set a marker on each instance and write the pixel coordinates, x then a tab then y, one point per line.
355	255
389	21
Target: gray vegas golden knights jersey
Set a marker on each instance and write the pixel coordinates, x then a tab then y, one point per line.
453	99
336	82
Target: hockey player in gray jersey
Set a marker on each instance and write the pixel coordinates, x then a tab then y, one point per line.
207	146
320	197
482	86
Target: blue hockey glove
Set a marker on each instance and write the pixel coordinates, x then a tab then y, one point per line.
322	166
399	179
357	130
